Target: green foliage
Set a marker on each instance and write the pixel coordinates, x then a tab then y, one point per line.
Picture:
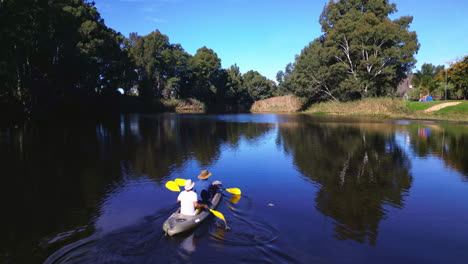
362	53
235	91
55	50
162	67
425	79
206	66
458	76
258	86
284	86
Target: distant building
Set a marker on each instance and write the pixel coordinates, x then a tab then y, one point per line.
404	87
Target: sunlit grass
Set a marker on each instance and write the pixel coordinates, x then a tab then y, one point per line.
459	109
420	106
393	108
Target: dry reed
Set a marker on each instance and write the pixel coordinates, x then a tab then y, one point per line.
368	106
287	103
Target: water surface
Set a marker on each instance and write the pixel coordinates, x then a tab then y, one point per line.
314	190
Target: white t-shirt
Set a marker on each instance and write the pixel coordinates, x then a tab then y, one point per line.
186	202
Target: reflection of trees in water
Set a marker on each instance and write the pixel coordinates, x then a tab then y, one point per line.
359	172
446	142
53	178
57	174
164	143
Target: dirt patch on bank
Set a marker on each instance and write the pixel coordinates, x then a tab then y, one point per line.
440	106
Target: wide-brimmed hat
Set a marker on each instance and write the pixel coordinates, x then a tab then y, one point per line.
189	185
204	175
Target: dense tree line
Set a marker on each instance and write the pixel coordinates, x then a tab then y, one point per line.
450	83
361	53
57	53
457	76
56	49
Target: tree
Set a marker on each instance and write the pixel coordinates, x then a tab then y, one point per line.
258	86
176	72
283	80
376	52
206	67
313	77
425	79
55	51
362	53
147	54
458	76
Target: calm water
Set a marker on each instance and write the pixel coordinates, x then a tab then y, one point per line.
314	190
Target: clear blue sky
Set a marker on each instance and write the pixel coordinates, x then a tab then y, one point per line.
265	35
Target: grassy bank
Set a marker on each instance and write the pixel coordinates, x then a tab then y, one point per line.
287	103
134	104
393	108
183	105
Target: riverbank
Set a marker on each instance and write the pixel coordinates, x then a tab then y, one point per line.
396	108
287	103
375	107
95	107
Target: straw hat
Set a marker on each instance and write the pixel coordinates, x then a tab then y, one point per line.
189	185
204	175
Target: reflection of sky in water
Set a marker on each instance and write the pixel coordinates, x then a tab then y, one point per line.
436	204
238	118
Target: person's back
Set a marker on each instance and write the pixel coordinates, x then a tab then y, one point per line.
203	187
186	199
189	200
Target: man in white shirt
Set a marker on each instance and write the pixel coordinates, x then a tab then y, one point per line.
188	200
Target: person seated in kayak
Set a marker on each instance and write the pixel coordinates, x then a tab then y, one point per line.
204	188
188	200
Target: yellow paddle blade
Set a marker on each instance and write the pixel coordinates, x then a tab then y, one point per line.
180	182
172	186
235	198
233	190
218	214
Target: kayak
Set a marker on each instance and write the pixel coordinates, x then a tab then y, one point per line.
179	223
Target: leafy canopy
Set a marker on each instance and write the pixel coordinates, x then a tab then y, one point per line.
362	53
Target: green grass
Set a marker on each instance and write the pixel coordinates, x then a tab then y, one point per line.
420	106
393	108
459	109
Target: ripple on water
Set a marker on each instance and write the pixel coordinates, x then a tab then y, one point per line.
245	232
130	244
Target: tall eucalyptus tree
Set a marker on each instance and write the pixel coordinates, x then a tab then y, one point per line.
362	52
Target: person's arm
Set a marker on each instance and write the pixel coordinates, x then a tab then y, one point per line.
179	197
199	205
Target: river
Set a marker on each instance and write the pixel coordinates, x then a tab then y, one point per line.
314	190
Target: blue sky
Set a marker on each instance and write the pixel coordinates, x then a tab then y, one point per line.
265	35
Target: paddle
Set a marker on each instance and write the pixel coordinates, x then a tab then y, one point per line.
219	215
181	182
171	185
235	198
